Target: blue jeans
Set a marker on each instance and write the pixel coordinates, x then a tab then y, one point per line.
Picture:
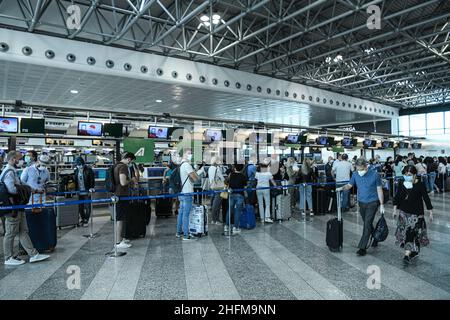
183	215
431	180
345	196
236	205
424	179
308	191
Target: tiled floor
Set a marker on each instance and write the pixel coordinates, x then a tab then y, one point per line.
280	261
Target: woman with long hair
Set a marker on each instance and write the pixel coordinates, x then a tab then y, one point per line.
411	231
305	178
264	180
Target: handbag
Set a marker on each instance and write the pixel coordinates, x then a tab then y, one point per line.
217	184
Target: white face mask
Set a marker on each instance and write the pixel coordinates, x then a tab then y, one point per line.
42	166
362	172
189	157
408	184
20	164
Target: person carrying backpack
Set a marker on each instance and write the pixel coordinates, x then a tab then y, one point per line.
184	179
16	223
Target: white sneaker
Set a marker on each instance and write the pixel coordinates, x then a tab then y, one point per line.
225	228
14	262
123	245
268	220
126	241
236	230
39	257
218	223
311	214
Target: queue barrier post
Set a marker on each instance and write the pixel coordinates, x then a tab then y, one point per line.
115	253
228	216
92	235
304	200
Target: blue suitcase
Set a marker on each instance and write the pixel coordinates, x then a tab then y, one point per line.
248	219
42	229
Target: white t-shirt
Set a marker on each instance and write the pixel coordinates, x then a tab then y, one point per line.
442	168
263	179
342	170
185	170
215	173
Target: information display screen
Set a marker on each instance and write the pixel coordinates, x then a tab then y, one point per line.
387	144
292	138
113	130
158	132
9	125
368	143
213	135
90	129
28	125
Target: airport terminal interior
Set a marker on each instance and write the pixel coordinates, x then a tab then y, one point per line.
225	150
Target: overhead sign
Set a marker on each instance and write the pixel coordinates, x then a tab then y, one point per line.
143	149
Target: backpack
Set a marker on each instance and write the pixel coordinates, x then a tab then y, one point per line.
175	180
110	182
5	197
381	230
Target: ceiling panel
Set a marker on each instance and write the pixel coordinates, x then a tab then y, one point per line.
51	86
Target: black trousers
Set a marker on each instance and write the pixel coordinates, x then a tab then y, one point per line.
84	209
367	212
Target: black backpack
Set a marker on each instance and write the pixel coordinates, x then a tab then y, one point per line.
175	180
381	231
110	182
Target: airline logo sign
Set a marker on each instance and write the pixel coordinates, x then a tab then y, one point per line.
143	149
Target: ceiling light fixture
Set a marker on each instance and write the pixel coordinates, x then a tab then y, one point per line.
204	18
216	16
74	91
238	109
158	101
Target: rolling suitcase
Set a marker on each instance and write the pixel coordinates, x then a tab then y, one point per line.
321	201
163	207
42	229
66	215
198	221
136	220
248	219
334	233
283	204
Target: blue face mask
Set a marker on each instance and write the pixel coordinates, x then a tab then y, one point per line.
408	178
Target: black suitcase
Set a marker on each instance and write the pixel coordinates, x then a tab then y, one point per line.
321	201
335	230
163	207
136	220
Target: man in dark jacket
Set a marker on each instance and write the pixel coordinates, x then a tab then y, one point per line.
85	183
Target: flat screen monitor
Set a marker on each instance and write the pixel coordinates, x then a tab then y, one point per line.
349	142
292	138
403	145
416	145
212	135
113	130
325	141
368	143
387	144
302	139
176	133
90	129
158	132
9	125
28	125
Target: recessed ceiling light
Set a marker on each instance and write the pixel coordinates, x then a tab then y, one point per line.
159	101
238	109
74	91
216	16
204	18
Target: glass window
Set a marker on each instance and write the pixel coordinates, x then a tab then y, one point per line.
417	122
433	132
418	133
403	125
435	120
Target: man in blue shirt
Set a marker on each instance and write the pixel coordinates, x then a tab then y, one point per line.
370	196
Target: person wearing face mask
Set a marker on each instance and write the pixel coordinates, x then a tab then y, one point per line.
36	177
411	227
16	223
84	184
370	197
30	158
188	177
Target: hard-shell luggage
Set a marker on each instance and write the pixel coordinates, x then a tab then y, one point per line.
163	207
248	219
136	220
198	221
335	230
322	201
283	204
66	215
42	229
